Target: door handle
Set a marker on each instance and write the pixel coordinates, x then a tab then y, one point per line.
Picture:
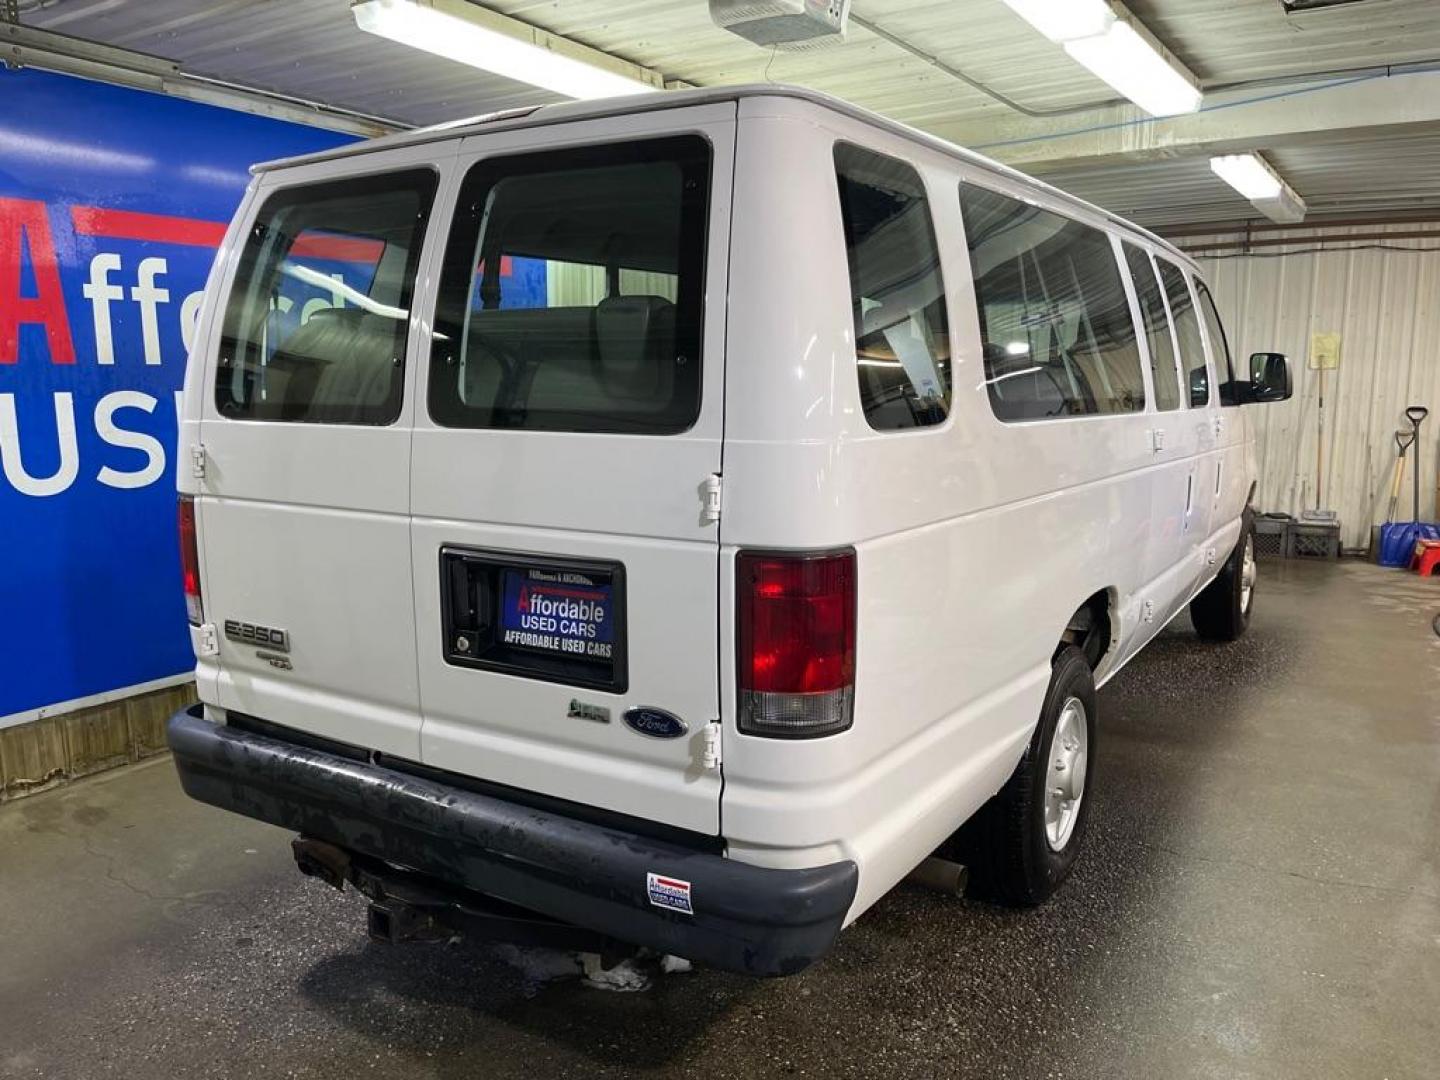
1157	439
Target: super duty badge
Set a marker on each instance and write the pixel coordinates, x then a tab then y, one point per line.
262	637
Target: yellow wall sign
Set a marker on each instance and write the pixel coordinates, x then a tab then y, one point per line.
1324	351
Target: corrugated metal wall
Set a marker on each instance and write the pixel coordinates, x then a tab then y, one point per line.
1383	298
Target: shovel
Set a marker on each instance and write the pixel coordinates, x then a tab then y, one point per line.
1403	440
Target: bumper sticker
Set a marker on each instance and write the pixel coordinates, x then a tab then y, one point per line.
669	893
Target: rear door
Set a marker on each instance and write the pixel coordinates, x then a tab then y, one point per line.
565	567
303	512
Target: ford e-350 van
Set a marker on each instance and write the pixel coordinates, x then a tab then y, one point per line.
673	519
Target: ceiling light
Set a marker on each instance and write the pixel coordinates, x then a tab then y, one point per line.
1065	20
472	35
1138	67
1252	176
1247	174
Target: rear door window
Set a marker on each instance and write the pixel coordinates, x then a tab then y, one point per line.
315	327
572	291
1187	332
1055	321
1157	329
897	297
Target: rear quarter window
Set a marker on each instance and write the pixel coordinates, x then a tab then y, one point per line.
316	323
572	292
1058	339
897	296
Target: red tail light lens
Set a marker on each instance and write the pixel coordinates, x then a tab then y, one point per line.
796	643
190	561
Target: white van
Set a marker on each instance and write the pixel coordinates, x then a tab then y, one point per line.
672	519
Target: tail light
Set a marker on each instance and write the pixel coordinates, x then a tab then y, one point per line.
796	643
190	561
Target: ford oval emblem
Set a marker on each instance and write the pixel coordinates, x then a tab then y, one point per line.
657	723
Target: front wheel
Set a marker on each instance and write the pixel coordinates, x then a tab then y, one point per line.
1021	845
1221	611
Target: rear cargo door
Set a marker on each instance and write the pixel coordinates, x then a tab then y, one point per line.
564	562
304	507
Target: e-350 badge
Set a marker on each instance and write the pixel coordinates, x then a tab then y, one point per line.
262	637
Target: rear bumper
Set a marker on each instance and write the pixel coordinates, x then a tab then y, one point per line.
745	918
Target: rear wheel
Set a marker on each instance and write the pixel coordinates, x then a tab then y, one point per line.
1022	844
1221	611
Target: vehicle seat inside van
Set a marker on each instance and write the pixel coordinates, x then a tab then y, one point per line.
617	357
1021	388
339	359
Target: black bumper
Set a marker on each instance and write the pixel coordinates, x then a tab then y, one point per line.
746	918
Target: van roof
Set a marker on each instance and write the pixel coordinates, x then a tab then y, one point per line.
544	115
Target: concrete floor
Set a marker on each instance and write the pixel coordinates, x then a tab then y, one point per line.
1260	897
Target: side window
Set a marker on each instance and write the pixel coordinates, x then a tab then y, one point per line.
315	327
1157	329
572	290
1187	332
902	334
1055	322
1219	347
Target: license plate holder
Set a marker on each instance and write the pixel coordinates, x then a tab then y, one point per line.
536	616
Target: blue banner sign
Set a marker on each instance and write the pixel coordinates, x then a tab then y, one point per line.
112	202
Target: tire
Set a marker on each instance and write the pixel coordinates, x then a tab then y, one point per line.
1221	611
1018	854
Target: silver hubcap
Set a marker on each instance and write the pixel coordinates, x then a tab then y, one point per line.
1247	574
1065	773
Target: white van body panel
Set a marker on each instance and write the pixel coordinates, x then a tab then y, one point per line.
976	540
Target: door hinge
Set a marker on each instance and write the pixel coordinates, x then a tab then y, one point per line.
710	757
1149	609
197	461
209	640
710	500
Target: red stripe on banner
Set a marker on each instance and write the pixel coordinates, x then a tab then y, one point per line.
316	245
165	229
158	228
671	882
507	266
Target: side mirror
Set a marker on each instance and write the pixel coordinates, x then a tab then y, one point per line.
1269	377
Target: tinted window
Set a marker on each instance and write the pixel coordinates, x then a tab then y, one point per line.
1054	319
1187	332
316	324
571	293
1163	375
902	337
1219	347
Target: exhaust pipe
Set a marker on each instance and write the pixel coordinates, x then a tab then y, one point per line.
942	875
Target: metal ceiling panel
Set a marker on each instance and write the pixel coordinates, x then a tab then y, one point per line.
1378	172
311	49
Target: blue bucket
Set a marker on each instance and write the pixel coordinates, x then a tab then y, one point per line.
1397	540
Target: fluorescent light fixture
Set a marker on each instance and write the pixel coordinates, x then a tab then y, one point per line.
1016	348
1106	38
478	37
1252	176
1248	175
1065	20
1138	67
